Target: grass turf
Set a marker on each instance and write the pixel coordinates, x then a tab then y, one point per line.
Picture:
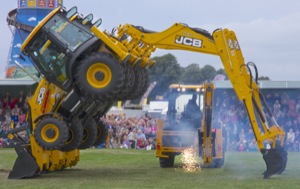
107	168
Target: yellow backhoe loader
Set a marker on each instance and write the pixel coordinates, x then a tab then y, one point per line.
191	127
85	70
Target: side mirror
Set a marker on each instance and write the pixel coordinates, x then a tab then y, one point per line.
71	12
87	19
98	22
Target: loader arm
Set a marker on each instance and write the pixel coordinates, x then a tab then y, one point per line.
222	43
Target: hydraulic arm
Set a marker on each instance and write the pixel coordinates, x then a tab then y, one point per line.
222	43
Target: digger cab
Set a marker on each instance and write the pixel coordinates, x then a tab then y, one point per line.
55	45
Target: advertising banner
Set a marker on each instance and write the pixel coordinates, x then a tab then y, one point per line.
22	3
42	3
51	3
31	3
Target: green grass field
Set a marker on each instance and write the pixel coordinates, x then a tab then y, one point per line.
106	168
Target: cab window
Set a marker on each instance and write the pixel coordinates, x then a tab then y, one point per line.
67	32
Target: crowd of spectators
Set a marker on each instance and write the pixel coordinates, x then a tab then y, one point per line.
231	114
139	132
131	133
13	111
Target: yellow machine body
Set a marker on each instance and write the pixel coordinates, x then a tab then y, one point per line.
206	139
99	66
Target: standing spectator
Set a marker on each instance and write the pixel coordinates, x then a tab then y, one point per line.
2	117
8	117
285	100
147	130
132	138
297	140
15	114
276	107
290	139
298	107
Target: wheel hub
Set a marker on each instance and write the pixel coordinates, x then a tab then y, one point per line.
99	76
50	133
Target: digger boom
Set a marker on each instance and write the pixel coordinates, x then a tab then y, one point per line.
222	43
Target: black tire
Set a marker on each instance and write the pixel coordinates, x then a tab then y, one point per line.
128	82
145	77
100	76
89	134
167	162
51	133
74	137
138	83
131	82
217	163
102	133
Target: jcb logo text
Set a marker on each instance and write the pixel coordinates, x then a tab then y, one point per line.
188	41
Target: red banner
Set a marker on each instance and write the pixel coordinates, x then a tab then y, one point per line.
42	3
51	3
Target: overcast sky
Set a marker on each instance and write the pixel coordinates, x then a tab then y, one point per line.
267	30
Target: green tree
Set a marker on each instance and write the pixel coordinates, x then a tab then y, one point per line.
192	75
208	72
165	71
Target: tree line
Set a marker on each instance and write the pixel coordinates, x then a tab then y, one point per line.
167	71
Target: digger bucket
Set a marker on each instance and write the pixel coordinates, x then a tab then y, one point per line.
25	165
276	160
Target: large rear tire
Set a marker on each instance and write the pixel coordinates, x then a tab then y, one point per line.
138	83
128	83
89	134
100	76
51	133
102	133
74	137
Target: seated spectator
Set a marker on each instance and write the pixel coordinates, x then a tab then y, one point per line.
126	143
22	118
141	139
141	144
150	144
140	135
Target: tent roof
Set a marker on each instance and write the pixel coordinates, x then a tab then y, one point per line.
15	82
265	84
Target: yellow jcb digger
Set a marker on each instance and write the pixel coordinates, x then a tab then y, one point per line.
190	127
